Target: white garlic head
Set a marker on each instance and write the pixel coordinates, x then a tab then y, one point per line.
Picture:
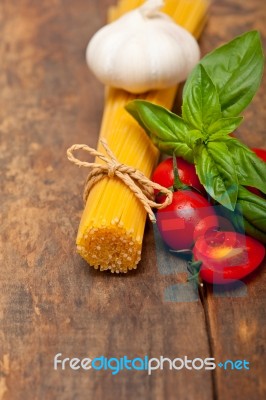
143	50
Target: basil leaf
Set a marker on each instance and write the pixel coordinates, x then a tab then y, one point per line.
241	223
216	171
178	148
164	127
254	232
133	109
201	105
251	170
223	127
236	70
158	121
253	208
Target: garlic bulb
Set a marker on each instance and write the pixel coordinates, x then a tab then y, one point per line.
143	50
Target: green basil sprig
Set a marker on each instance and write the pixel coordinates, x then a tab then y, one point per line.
201	104
169	132
250	168
217	90
249	215
253	208
236	70
217	173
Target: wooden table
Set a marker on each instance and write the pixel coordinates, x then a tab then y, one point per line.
50	301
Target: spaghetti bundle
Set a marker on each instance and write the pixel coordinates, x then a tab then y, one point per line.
112	225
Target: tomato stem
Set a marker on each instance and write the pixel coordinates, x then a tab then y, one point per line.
194	269
178	185
195	265
193	277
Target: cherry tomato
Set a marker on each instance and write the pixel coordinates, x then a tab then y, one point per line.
227	256
187	217
164	174
261	153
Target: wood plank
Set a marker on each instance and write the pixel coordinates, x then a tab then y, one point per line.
237	318
50	301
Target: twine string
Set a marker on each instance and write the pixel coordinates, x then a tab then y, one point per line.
135	180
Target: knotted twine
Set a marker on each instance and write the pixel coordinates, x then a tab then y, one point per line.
135	180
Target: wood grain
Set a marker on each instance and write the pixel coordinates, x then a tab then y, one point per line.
50	301
237	317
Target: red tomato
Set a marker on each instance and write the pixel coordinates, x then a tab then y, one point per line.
262	155
164	174
227	256
187	217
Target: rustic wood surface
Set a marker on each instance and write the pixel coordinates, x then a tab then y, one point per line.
50	301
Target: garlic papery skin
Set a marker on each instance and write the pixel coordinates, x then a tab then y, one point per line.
143	50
